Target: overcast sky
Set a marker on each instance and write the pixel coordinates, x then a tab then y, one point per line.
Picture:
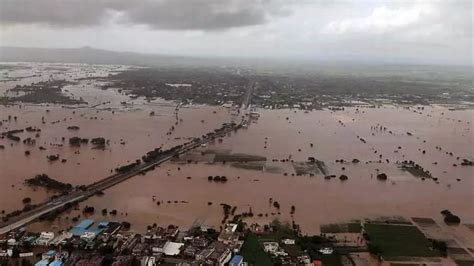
415	31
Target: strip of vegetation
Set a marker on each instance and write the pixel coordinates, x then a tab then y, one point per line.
415	169
44	92
341	228
238	157
47	182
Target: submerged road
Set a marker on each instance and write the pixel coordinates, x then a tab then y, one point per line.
92	189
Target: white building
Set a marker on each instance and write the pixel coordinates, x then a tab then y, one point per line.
45	238
288	241
270	247
224	257
61	238
88	236
172	248
151	261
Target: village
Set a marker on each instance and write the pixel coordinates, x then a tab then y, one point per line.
95	243
383	241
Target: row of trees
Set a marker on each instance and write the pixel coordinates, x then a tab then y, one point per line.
217	178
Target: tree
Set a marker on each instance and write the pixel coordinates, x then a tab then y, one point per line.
126	225
343	177
276	205
382	176
89	209
26	200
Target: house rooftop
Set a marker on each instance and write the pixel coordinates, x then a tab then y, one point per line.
172	248
84	224
56	263
236	259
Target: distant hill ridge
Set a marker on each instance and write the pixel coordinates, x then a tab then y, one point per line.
90	55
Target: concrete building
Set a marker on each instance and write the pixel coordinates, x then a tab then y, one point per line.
49	255
204	254
45	238
222	253
172	248
88	236
270	247
229	234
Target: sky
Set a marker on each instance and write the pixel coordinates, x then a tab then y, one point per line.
412	31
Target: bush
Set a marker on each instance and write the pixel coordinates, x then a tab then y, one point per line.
452	219
382	176
89	209
343	177
441	246
276	204
26	200
126	225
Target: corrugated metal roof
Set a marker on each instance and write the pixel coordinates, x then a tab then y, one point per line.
85	224
56	263
42	263
236	259
51	252
77	231
103	224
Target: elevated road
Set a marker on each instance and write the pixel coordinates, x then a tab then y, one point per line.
92	189
248	95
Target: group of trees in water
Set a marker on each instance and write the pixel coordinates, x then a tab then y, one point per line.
217	178
450	218
11	134
382	176
128	167
98	142
77	141
43	180
158	153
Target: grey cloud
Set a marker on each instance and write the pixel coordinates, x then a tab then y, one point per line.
157	14
53	12
198	14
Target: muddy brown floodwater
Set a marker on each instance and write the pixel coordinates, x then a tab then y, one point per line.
184	191
317	200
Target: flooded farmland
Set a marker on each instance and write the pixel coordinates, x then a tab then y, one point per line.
184	191
357	142
233	133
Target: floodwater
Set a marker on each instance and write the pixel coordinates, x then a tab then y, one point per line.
287	133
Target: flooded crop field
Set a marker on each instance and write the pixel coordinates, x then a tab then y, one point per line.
251	133
331	165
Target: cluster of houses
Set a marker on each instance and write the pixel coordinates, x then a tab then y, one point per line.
275	250
93	243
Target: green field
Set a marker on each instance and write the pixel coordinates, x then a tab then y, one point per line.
332	260
341	228
253	253
399	241
238	157
465	262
